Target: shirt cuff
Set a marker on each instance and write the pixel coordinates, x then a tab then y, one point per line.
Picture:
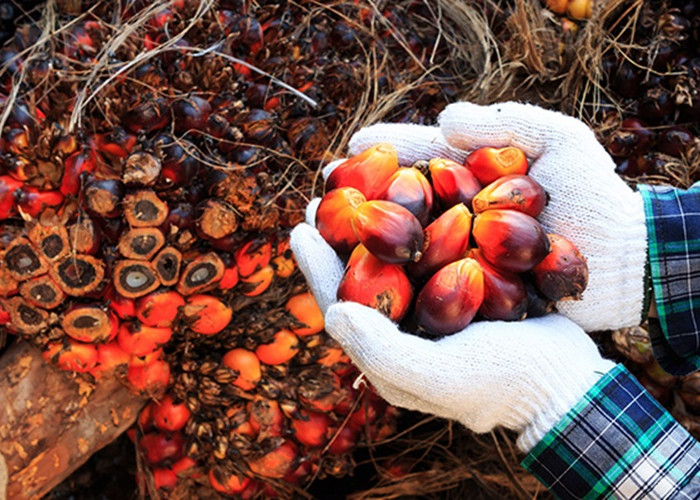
616	441
673	232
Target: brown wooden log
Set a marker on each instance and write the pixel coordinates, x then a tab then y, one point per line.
51	422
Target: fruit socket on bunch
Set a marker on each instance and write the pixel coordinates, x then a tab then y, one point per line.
408	228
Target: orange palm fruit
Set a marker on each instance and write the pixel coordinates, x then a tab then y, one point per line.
580	9
169	416
258	282
451	297
253	255
109	357
146	359
159	308
283	347
149	379
563	273
266	418
505	295
228	484
208	314
409	188
230	277
367	172
247	364
283	262
389	231
124	307
488	164
139	340
311	428
305	311
452	182
514	192
277	462
447	239
377	284
510	240
72	355
334	216
558	6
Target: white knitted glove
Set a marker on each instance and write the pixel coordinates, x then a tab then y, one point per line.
589	204
522	375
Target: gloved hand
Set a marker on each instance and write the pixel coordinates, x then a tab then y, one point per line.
522	375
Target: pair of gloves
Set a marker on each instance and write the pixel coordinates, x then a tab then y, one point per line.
521	375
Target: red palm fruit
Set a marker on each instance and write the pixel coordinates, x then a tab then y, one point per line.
344	440
283	347
276	463
304	309
73	166
258	282
266	418
149	379
230	277
228	484
334	216
367	172
515	192
168	415
191	113
253	255
157	447
247	364
311	428
148	115
117	142
90	323
563	273
8	187
368	412
447	239
184	464
145	419
450	299
164	478
488	164
409	188
159	308
109	357
452	182
371	282
510	240
124	307
208	314
505	295
32	200
4	316
537	304
72	355
389	231
139	340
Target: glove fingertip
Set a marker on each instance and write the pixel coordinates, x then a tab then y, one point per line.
311	209
328	169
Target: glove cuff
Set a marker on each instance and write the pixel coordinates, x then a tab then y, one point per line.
559	403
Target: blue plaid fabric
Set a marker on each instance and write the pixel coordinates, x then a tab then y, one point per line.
673	232
617	442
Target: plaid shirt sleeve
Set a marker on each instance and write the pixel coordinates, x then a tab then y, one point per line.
673	232
617	442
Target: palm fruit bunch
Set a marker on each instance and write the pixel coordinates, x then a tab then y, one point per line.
411	227
150	172
651	108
